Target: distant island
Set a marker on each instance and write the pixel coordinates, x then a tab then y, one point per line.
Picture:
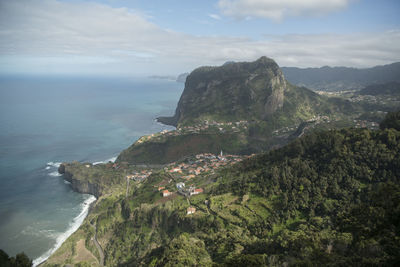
163	77
259	172
181	78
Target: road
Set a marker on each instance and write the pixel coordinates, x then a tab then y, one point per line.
98	246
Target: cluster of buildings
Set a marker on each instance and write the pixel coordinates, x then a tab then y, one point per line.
203	163
220	126
359	98
186	191
366	124
139	176
316	119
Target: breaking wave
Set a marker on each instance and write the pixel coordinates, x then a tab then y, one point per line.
73	226
105	161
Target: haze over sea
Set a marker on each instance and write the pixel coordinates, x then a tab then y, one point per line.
48	120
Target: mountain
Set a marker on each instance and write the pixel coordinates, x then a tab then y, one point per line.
329	198
391	88
240	108
243	91
342	78
235	91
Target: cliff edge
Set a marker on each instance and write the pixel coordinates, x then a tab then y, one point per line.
236	91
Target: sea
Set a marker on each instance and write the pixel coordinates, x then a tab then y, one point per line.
48	120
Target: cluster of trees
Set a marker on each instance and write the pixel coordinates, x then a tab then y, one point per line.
392	120
20	260
335	196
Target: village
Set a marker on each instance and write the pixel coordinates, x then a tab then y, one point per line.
205	126
315	119
202	163
139	176
180	174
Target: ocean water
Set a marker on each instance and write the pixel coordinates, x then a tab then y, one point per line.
48	120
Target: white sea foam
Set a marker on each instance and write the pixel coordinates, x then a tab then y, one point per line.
47	168
105	161
33	231
55	174
66	182
53	164
73	226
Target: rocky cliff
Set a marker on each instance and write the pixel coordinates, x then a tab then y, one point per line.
231	92
80	185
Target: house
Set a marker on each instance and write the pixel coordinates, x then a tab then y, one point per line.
191	210
188	177
176	170
180	186
161	188
166	193
196	191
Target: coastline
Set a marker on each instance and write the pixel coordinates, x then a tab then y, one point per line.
74	226
88	205
90	202
47	211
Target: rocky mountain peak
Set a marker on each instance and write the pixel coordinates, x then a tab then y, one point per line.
231	92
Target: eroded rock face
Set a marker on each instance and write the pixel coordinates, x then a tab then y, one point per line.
244	90
275	100
78	184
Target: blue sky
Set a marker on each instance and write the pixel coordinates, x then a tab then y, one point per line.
121	37
196	17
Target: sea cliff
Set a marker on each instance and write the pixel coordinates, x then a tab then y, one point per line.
78	184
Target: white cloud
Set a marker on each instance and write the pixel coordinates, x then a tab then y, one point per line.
278	9
41	35
214	16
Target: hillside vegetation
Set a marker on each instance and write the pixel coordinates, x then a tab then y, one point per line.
392	88
329	198
342	78
252	93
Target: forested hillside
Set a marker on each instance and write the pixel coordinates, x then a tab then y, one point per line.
329	198
342	78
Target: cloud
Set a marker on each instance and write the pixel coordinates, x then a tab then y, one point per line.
276	10
51	36
214	16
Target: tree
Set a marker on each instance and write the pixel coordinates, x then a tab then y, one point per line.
392	120
20	260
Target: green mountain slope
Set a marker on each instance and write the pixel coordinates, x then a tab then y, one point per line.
327	199
391	88
342	78
236	107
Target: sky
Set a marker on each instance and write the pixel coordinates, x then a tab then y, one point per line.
168	37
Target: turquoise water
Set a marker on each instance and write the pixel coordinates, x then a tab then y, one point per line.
48	120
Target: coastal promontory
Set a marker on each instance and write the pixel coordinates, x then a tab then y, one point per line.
240	108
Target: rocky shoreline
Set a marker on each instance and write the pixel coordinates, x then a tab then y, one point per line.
83	187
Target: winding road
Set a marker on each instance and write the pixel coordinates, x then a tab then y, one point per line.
94	238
